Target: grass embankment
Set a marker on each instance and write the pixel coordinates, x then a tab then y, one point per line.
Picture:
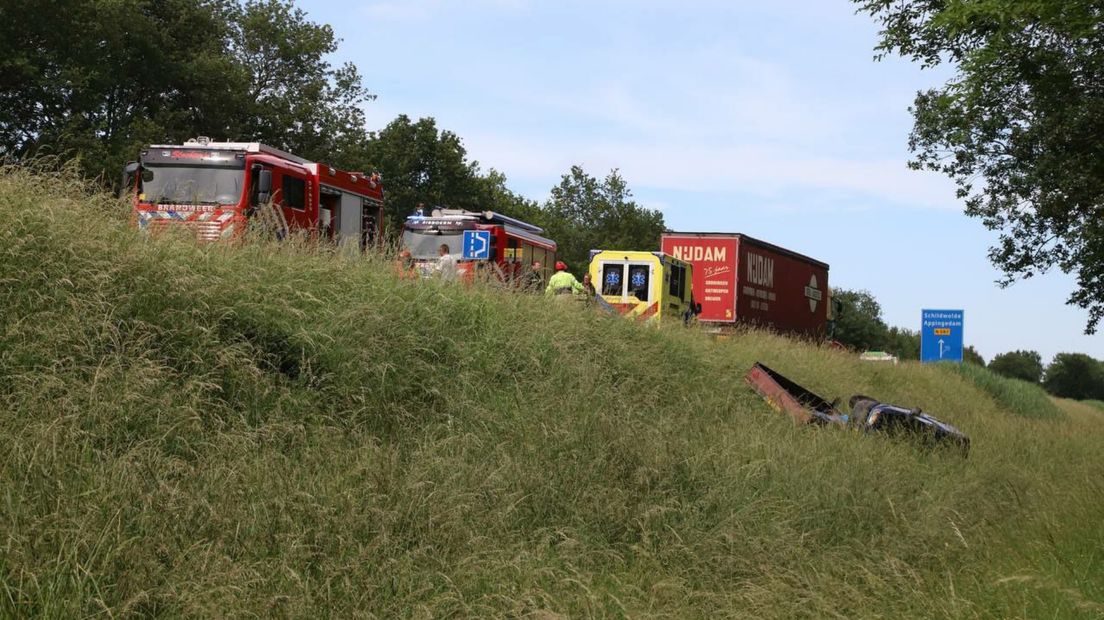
1095	403
261	431
1013	395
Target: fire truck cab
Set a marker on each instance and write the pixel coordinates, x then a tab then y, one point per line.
499	247
213	188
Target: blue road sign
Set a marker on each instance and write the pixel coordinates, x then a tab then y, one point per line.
477	244
941	335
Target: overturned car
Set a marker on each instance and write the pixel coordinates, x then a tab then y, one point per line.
873	416
867	414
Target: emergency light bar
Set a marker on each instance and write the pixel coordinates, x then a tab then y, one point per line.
489	217
248	147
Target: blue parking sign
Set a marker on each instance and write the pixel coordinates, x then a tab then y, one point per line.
477	245
941	335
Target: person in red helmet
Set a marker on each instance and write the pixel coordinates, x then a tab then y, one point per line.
562	282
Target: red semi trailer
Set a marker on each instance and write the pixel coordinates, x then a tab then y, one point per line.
738	278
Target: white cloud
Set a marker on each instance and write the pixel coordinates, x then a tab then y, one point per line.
763	170
685	115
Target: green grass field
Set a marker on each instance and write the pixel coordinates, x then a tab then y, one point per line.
1012	395
270	431
1095	403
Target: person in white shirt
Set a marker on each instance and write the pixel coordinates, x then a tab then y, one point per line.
446	263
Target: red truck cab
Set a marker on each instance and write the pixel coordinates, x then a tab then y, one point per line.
213	188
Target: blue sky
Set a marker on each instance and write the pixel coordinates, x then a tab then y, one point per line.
766	118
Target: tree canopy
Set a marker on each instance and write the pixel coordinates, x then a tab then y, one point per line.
102	78
859	323
421	164
585	213
1075	375
904	343
1024	365
1019	128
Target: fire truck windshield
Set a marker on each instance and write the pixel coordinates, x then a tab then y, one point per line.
423	244
192	184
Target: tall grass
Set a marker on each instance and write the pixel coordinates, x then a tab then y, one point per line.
267	430
1013	395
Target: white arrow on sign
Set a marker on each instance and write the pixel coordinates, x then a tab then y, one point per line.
940	348
479	244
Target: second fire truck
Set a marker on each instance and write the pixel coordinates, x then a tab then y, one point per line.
502	247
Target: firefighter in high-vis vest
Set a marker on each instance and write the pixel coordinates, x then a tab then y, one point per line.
563	283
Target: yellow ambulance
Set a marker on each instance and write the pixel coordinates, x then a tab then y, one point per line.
645	286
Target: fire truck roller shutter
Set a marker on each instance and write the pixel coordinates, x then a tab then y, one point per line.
350	219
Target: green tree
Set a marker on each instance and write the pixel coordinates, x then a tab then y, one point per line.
421	164
859	323
970	355
99	77
586	213
904	343
492	194
292	97
1075	375
1024	365
1018	127
102	78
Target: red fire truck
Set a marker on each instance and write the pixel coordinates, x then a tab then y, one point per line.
214	187
478	240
